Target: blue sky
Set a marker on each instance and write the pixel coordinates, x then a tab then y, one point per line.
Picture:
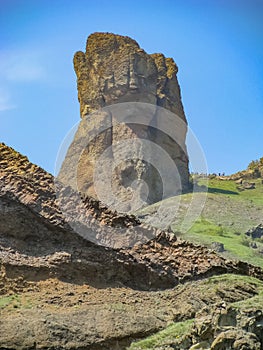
218	46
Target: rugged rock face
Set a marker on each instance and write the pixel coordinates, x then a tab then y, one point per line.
29	191
228	327
114	70
66	292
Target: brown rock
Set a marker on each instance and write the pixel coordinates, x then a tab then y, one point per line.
113	70
236	339
249	185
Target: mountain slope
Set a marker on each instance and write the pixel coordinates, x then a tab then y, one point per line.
60	290
226	216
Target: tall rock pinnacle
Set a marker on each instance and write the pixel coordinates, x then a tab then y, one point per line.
114	71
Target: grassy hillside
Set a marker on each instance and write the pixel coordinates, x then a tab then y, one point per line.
164	337
225	214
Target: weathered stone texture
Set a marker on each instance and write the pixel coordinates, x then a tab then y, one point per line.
57	282
113	70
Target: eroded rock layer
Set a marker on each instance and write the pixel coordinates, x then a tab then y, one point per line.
29	195
60	290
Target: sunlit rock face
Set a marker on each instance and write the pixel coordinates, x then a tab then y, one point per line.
114	70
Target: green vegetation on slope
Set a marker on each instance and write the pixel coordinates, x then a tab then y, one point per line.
166	336
226	215
11	300
230	188
14	301
236	245
241	206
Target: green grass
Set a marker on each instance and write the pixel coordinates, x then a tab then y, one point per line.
230	278
14	302
236	246
173	331
227	214
229	188
6	301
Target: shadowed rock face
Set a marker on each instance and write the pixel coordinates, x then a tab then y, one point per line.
114	70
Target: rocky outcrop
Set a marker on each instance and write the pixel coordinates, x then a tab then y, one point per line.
52	314
61	206
255	232
115	70
229	327
58	285
253	171
28	194
222	325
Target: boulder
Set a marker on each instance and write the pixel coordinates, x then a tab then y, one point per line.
255	232
249	185
218	247
237	340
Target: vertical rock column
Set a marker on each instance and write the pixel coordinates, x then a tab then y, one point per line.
114	70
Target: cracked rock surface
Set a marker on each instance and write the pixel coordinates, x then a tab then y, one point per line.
115	70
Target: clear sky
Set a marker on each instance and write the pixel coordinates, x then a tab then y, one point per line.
218	46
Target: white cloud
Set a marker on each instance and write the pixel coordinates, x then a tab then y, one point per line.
17	67
22	72
21	66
